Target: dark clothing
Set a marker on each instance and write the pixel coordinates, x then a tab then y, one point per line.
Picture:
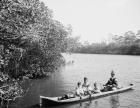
113	82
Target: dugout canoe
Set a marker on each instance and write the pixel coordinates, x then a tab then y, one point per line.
47	101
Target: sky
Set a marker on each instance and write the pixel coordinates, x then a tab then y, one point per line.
97	20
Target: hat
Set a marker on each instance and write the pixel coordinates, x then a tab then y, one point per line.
112	72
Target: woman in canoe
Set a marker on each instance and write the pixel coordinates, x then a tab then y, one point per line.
112	83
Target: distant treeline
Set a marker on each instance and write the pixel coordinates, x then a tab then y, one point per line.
128	44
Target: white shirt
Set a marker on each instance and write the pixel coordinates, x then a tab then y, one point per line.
87	87
79	90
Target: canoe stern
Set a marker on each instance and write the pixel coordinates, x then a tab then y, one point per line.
44	101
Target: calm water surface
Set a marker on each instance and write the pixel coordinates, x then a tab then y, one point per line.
96	68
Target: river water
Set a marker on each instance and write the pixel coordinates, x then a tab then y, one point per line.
95	68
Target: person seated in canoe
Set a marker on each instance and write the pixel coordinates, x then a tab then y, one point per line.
79	90
96	88
86	87
112	83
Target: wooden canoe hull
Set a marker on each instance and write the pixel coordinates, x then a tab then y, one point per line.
52	101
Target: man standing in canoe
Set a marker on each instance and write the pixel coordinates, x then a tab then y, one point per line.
112	83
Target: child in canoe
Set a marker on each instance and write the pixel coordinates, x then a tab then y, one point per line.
79	90
96	88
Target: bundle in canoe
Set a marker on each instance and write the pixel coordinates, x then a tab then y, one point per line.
55	100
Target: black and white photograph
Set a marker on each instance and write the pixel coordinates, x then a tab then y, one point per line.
69	53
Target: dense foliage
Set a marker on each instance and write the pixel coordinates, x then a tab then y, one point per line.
128	44
31	41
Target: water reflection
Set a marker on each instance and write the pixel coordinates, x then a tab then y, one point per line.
86	104
114	101
96	104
